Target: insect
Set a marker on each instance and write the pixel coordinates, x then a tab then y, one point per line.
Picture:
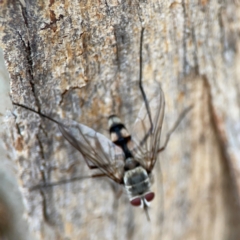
127	159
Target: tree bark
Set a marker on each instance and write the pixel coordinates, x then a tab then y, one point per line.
80	60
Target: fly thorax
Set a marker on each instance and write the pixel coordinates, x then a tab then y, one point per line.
130	164
136	182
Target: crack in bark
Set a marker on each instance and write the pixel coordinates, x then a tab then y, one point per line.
117	49
41	147
184	44
43	130
52	25
28	53
24	14
195	52
17	125
44	208
67	91
29	67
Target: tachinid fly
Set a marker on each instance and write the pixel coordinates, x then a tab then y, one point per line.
127	159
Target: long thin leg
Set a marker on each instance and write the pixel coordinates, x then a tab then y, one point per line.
61	126
52	184
91	167
37	112
143	92
55	121
140	83
181	116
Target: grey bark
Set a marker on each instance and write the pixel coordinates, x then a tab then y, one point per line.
79	60
12	224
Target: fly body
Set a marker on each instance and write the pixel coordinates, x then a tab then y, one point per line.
126	158
136	179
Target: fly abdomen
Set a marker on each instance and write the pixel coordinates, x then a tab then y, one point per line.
119	134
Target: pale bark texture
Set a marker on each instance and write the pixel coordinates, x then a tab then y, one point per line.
80	60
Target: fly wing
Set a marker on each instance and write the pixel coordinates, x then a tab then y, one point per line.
147	142
95	148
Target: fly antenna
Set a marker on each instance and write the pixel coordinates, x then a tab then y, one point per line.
140	83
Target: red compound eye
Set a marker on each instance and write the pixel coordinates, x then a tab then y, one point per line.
149	196
136	202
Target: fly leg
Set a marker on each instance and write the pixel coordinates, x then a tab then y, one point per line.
64	181
143	92
180	118
91	167
74	179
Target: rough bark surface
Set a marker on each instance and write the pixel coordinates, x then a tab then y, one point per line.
79	60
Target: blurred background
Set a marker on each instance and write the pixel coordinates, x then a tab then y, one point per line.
13	225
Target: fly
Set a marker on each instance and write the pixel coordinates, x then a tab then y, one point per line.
127	159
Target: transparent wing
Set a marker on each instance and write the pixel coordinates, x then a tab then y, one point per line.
147	143
95	148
